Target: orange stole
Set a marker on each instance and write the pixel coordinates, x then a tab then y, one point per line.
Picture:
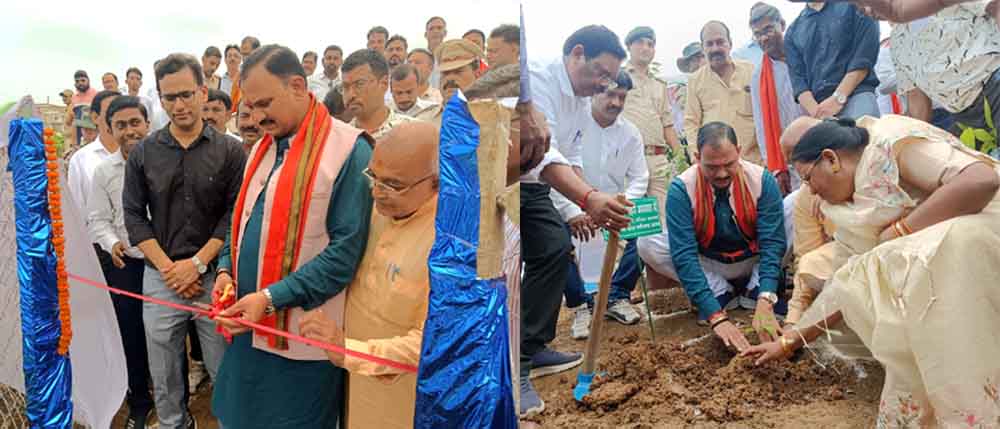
281	246
772	117
744	207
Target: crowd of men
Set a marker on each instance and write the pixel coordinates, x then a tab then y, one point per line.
601	122
189	200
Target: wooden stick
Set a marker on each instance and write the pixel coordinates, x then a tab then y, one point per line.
645	299
597	322
494	133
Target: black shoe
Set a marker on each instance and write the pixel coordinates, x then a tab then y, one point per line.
137	419
548	361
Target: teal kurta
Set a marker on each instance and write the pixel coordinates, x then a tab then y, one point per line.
257	389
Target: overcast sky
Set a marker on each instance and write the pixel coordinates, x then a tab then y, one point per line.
44	42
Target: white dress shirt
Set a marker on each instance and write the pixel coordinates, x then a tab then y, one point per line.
105	220
566	115
80	174
320	85
420	104
614	162
158	117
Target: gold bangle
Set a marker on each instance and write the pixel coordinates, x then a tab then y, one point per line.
897	229
786	344
906	228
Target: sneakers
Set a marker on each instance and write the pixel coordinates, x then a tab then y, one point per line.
196	375
746	302
623	312
137	419
581	323
531	403
548	361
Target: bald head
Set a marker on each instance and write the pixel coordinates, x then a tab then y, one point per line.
405	169
794	132
411	146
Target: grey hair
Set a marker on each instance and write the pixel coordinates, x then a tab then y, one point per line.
762	10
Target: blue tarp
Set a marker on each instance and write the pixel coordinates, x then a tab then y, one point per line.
464	379
47	375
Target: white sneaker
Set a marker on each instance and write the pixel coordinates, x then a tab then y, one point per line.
196	375
581	322
623	312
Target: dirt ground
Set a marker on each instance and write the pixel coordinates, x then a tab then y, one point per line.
687	378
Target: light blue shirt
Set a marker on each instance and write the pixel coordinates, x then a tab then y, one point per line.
788	109
751	52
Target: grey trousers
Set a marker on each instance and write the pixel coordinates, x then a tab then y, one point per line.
166	329
858	105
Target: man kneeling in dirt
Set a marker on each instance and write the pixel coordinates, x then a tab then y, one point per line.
387	300
724	223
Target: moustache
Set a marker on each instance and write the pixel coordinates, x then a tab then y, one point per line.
267	122
450	85
716	55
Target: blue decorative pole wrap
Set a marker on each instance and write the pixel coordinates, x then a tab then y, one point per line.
464	379
47	375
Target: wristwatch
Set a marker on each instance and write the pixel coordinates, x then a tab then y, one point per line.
769	297
202	268
841	98
270	302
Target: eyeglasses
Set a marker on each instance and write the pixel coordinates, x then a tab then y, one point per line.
765	31
373	182
357	85
807	176
187	96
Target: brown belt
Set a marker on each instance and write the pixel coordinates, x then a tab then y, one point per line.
656	150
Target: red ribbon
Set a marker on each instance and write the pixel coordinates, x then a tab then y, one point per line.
255	326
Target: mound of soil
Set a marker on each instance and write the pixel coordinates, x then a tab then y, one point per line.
646	382
668	301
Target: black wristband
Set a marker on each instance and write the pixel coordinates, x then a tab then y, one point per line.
718	321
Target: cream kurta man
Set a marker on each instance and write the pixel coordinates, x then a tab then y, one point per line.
720	91
387	301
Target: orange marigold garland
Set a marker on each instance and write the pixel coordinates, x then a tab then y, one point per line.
58	242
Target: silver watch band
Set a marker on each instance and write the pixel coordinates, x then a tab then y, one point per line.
270	302
769	296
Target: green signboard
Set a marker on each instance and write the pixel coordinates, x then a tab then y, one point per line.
645	220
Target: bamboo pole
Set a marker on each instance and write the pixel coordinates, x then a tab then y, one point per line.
604	288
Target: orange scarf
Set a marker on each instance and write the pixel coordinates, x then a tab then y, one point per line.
897	107
744	207
771	117
235	96
291	203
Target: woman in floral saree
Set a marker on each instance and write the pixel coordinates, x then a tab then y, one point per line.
918	223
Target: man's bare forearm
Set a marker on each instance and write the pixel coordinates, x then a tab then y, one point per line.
152	250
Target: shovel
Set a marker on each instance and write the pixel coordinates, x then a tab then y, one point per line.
586	375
